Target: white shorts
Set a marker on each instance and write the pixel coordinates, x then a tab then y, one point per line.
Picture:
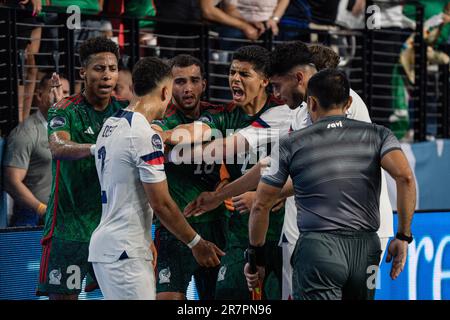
127	279
288	249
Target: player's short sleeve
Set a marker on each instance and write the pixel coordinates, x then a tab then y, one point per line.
388	142
19	148
277	173
58	120
149	156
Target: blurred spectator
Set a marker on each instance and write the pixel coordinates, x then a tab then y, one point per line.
27	161
91	27
265	14
403	75
183	37
28	41
123	89
295	21
229	17
143	9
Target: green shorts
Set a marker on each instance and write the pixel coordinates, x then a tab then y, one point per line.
335	265
64	264
231	283
176	265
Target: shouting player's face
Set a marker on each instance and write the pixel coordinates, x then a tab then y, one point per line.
188	87
246	83
100	75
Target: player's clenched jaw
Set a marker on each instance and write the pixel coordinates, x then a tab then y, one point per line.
246	83
100	75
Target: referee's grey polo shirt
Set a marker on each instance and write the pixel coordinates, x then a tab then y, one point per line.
335	168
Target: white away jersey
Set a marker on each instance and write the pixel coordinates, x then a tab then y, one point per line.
128	153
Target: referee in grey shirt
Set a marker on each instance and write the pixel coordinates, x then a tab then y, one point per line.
335	168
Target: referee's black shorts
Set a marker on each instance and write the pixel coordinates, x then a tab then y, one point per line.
335	265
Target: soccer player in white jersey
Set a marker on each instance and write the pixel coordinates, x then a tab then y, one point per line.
293	64
130	165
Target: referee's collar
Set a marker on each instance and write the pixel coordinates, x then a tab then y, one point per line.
331	118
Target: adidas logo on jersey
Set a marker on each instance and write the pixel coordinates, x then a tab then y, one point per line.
89	131
337	124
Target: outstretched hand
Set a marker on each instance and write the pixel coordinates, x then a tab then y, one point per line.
205	202
56	92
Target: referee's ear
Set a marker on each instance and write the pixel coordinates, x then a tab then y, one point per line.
348	104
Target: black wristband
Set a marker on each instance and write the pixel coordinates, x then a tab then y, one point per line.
259	254
401	236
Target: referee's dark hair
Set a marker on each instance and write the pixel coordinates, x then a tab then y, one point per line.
186	60
331	87
287	56
258	56
148	73
97	45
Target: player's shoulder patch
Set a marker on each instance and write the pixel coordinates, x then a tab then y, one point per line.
68	101
57	122
205	117
157	142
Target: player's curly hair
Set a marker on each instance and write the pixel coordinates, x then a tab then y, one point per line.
147	74
288	55
324	57
97	45
258	56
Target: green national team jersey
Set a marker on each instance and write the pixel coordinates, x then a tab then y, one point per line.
187	181
235	118
75	207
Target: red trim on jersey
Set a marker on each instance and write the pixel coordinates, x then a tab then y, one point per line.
171	109
156	161
42	265
64	103
47	258
55	206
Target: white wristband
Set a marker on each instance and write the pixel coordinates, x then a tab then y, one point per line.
92	149
194	241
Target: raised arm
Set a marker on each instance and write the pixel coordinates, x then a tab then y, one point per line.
215	14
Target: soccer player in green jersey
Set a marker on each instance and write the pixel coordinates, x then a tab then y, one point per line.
248	82
175	264
75	207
